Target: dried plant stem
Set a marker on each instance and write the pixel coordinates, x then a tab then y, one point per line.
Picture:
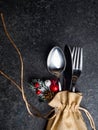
20	87
21	63
7	77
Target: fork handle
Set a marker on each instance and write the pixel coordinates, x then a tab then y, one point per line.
74	89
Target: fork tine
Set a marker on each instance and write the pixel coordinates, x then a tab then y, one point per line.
73	52
74	57
78	58
81	59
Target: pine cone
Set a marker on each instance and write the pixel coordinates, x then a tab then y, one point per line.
48	95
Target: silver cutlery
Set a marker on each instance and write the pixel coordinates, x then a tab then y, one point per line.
77	60
68	71
56	63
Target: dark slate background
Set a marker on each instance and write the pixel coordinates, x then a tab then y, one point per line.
36	26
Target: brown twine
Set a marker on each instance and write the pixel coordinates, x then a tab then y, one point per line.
21	88
21	63
89	117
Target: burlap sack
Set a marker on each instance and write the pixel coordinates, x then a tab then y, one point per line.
67	113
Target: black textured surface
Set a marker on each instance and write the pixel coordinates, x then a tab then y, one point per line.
35	26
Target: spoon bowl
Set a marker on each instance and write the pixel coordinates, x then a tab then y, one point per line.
56	62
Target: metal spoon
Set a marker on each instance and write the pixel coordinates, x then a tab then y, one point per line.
56	63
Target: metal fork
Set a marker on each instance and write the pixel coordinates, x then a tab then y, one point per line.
77	64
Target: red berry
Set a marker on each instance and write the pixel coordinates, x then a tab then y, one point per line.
54	88
36	85
38	92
